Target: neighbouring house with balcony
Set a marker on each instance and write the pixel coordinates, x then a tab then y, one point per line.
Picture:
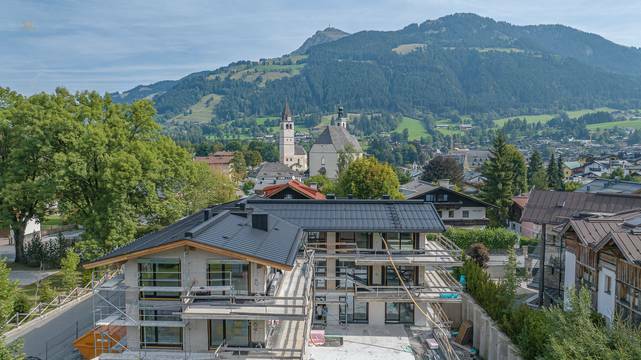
551	211
251	278
603	254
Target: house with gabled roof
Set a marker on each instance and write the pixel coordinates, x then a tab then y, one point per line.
293	189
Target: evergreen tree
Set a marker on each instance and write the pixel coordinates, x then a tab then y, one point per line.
560	175
534	166
499	179
519	169
552	173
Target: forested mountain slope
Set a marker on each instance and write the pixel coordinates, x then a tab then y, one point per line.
460	62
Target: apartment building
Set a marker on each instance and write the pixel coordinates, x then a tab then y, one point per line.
231	283
603	254
248	279
355	281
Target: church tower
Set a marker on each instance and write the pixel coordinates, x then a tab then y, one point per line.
286	144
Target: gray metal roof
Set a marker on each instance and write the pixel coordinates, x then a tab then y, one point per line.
612	186
355	215
227	231
558	207
339	137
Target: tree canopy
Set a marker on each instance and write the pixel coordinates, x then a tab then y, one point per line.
366	178
442	167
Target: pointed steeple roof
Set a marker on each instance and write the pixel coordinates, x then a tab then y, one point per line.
287	114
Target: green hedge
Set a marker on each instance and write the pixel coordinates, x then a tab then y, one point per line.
492	238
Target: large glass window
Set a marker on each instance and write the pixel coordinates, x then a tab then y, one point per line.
320	272
159	273
166	337
408	273
234	333
229	273
399	313
400	241
352	311
160	315
317	240
347	270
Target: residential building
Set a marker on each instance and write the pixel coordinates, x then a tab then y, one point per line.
293	189
333	141
470	159
552	210
248	279
514	217
611	186
603	255
215	284
218	161
273	173
455	208
290	153
571	168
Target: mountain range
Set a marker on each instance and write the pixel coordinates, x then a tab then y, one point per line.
461	62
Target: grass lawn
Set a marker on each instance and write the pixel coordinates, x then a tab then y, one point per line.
202	111
53	220
31	290
631	124
543	118
451	129
414	127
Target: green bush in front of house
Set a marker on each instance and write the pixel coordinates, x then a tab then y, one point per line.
492	238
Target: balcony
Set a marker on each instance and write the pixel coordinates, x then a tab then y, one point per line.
438	252
289	298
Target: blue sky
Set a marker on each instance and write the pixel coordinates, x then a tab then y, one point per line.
115	45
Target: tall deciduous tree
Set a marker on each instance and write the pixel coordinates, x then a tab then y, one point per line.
498	187
32	130
366	178
442	167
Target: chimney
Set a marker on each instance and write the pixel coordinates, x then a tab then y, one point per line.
330	196
206	214
260	221
386	197
444	183
350	196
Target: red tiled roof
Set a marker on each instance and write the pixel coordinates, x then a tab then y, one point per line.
295	185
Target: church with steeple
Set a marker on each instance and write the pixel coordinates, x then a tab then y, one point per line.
291	154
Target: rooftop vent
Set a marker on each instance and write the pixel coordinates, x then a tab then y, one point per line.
350	196
386	197
560	203
260	221
206	214
331	196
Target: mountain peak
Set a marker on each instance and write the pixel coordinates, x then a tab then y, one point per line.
329	34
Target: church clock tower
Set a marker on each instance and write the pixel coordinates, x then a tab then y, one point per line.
286	144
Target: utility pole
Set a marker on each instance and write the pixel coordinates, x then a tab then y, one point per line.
542	265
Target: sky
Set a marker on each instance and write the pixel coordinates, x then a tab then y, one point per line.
115	45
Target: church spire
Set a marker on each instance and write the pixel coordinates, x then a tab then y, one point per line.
287	114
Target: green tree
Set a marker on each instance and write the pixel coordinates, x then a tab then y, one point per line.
498	187
345	157
8	289
208	187
534	167
46	292
31	131
253	158
238	167
366	178
617	173
554	180
560	177
519	169
442	167
69	268
511	280
324	184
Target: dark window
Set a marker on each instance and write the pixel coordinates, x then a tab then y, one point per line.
352	311
408	273
166	337
159	273
450	214
400	241
347	270
160	315
466	214
441	197
320	272
235	333
399	313
429	197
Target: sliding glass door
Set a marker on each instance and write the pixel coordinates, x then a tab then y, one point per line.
399	313
234	333
229	273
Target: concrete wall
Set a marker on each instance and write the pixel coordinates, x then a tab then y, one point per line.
491	343
316	156
474	213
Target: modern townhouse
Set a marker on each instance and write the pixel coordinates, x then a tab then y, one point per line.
248	279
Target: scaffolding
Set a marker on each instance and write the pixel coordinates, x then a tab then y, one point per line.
123	308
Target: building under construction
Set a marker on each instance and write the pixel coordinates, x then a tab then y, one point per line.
251	279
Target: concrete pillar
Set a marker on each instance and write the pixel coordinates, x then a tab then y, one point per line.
376	313
419	318
332	314
377	241
331	274
377	275
196	336
330	240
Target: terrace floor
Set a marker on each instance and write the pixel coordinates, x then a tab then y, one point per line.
364	342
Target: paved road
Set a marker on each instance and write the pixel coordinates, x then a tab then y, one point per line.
53	340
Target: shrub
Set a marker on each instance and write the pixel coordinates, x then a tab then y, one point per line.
479	254
492	238
70	274
39	253
47	293
21	303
